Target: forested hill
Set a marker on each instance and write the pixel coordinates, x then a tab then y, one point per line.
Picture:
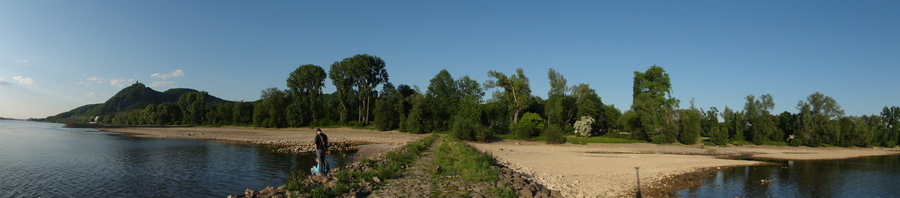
132	98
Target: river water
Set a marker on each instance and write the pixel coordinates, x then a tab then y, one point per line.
876	176
47	160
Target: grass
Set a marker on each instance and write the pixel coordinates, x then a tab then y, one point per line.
458	158
387	168
600	139
573	139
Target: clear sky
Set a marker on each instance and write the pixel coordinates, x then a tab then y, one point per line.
59	55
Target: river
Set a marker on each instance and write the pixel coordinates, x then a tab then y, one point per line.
46	160
875	176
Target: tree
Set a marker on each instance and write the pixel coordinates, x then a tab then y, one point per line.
363	72
242	113
758	113
193	107
557	102
342	77
270	108
690	125
516	90
417	121
387	116
472	94
891	118
442	99
588	103
305	84
823	111
653	106
711	127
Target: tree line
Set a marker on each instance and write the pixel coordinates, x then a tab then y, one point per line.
459	105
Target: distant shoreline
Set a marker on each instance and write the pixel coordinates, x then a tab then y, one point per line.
369	142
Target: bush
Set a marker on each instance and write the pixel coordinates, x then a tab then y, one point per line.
534	119
583	126
465	129
554	135
322	123
524	130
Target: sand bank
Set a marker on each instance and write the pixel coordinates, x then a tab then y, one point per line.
608	170
369	142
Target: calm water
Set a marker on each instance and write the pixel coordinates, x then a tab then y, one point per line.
46	160
860	177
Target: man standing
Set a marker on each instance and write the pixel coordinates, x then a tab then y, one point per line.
321	146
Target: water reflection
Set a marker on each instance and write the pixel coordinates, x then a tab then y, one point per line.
45	160
858	177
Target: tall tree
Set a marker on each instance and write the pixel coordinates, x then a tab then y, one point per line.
442	99
369	72
824	111
690	125
516	90
270	108
387	116
891	118
342	78
587	103
556	106
306	83
469	105
194	107
760	119
653	105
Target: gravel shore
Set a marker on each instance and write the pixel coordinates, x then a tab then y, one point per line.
608	170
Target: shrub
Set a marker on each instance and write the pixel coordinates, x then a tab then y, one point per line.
583	126
534	119
554	135
466	129
524	130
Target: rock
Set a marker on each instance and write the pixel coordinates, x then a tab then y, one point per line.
525	193
376	180
269	190
555	193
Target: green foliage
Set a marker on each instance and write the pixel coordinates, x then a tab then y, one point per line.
524	130
608	138
762	124
305	84
534	119
466	129
718	133
554	135
516	95
416	121
458	158
690	126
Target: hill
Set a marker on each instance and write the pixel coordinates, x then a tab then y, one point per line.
132	98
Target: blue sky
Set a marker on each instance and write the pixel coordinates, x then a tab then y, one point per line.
59	55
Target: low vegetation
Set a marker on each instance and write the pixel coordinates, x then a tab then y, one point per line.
387	167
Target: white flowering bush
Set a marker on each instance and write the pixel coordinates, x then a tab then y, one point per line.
583	126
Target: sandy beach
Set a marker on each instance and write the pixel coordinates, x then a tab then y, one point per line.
608	170
369	142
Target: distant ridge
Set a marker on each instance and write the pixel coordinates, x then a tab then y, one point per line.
132	98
